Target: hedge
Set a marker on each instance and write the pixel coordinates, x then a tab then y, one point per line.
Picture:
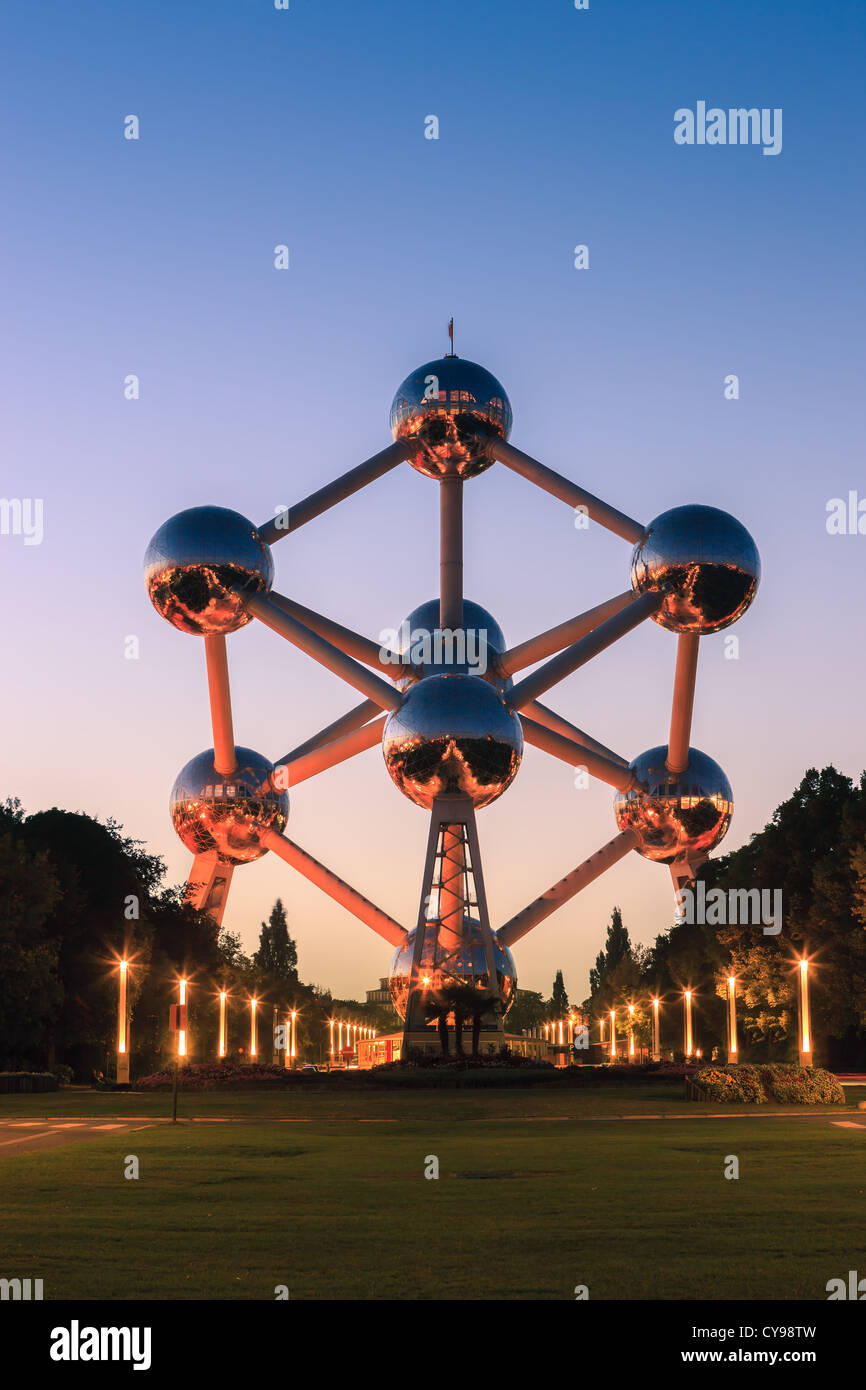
757	1085
12	1081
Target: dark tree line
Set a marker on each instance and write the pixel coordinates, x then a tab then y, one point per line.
813	852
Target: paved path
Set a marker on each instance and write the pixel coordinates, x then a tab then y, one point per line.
28	1136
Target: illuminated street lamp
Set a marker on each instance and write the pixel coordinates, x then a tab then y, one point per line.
631	1032
222	1036
732	1019
601	1023
331	1022
340	1036
613	1035
687	1021
805	1029
181	1036
657	1052
294	1036
254	1003
122	1031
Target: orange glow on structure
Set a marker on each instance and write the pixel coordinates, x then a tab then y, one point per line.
687	998
253	1006
222	1034
181	1037
805	1020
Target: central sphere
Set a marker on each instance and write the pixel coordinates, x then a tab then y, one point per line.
212	811
452	735
200	565
451	410
675	814
453	980
708	562
470	650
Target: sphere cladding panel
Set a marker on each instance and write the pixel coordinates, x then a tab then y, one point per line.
451	409
211	811
709	561
449	980
452	735
676	814
195	564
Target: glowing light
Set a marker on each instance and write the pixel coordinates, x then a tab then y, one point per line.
805	1019
181	1037
732	1017
222	1033
331	1023
613	1034
253	1006
121	1009
687	998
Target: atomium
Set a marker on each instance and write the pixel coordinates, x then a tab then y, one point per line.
705	564
452	735
227	813
201	566
449	702
675	816
448	412
452	980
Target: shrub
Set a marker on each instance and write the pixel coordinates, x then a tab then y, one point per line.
18	1081
756	1085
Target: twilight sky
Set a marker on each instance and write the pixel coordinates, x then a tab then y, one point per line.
306	127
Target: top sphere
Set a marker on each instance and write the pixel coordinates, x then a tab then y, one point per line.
196	564
451	409
709	562
470	650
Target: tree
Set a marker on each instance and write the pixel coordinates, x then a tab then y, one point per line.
277	956
559	998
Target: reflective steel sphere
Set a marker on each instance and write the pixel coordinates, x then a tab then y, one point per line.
451	409
470	650
453	980
452	734
228	814
709	561
676	813
194	564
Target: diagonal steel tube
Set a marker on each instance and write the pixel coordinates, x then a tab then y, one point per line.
608	632
337	491
369	684
353	719
352	643
577	754
561	892
566	490
555	638
294	770
451	553
367	912
542	715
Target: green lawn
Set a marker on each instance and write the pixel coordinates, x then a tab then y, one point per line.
341	1209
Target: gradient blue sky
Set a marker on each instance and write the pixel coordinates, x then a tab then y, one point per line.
306	127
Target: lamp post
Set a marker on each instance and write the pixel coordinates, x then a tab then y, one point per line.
657	1052
294	1037
181	1035
253	1006
122	1031
631	1032
613	1035
687	1022
221	1049
805	1029
732	1020
601	1023
331	1023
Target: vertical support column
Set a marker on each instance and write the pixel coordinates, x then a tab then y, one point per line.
451	553
225	760
452	873
683	702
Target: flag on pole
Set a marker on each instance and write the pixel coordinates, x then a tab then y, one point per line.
451	333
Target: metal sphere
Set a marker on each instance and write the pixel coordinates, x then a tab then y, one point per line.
709	562
210	811
452	735
470	650
456	979
451	409
676	814
199	566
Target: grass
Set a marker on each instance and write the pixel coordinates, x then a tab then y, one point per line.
334	1208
